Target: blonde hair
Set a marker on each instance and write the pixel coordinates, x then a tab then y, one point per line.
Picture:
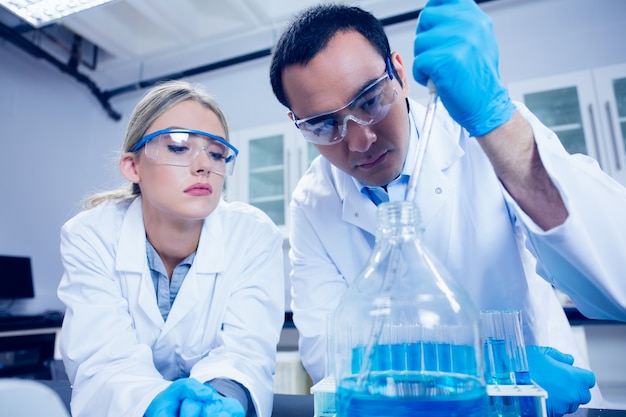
152	105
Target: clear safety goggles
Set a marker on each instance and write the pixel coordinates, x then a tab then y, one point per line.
180	147
370	106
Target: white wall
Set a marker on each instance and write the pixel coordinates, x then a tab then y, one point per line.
58	144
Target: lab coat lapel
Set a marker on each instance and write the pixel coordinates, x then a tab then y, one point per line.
433	187
132	260
201	280
358	209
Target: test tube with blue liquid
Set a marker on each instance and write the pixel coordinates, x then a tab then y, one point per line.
506	362
498	370
514	335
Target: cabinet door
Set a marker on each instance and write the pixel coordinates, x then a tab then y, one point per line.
610	83
262	170
300	154
271	161
566	104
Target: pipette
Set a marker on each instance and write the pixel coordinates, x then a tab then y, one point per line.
423	142
377	328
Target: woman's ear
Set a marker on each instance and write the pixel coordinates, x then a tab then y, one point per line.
128	167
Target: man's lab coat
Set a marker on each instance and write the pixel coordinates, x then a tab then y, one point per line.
476	229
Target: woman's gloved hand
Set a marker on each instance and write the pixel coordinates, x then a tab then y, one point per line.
567	386
456	49
222	406
187	397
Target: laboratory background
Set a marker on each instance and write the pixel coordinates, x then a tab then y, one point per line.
65	98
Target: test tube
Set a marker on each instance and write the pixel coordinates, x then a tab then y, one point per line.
513	328
330	358
516	347
497	363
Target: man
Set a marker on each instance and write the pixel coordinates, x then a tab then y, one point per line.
502	204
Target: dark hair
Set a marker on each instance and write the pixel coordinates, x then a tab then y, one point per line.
311	30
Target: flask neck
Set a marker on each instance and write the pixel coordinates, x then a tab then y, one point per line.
398	219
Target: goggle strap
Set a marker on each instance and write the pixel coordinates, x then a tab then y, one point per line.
389	67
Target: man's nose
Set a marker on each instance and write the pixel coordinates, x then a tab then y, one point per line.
359	137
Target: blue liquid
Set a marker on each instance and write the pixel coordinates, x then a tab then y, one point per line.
419	356
499	364
527	405
412	394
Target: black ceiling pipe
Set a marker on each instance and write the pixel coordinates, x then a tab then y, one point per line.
237	60
187	73
104	96
26	45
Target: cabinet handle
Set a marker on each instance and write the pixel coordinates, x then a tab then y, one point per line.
607	106
595	133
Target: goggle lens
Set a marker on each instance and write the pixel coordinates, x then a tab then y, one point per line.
370	107
180	147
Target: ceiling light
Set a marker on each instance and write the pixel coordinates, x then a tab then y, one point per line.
42	12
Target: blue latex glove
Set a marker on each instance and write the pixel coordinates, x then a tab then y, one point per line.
456	48
567	386
222	407
191	408
169	402
187	397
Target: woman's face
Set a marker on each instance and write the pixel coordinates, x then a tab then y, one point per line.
178	193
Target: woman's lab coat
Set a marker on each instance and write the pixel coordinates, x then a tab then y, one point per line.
475	228
225	322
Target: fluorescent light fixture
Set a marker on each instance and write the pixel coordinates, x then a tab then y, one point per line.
42	12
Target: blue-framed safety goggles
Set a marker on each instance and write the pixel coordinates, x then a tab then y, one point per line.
180	147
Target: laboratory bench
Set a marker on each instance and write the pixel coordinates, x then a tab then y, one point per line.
27	348
287	405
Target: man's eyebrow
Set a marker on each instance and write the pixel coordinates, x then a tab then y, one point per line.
366	85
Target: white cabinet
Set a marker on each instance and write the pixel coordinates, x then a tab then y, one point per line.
270	162
587	110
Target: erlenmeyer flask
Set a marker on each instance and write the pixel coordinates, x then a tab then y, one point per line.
406	338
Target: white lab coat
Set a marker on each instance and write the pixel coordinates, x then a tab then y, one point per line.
224	323
477	230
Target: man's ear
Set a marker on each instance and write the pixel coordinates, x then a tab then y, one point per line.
396	61
128	167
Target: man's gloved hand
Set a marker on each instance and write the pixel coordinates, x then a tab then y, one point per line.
187	397
567	386
456	49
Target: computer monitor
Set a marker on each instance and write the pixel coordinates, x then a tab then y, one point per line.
16	277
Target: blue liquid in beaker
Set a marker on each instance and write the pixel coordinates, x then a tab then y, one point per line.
415	394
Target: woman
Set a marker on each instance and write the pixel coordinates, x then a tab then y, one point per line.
174	297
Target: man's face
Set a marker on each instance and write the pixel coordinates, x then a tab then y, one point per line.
373	154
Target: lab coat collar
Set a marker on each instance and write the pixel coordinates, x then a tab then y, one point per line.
131	254
444	150
208	263
131	249
205	271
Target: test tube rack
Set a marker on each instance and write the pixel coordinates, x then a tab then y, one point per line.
324	397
